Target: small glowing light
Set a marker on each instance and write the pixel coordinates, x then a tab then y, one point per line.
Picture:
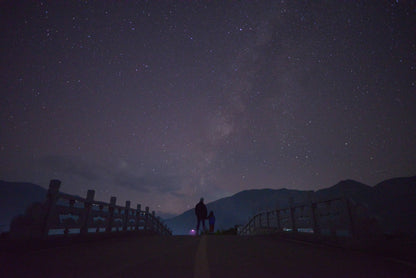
192	232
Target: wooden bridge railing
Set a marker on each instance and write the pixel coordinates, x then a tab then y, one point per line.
332	217
67	214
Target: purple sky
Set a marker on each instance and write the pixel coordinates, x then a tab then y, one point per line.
162	102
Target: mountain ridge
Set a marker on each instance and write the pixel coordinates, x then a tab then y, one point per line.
238	208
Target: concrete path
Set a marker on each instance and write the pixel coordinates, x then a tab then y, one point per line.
202	257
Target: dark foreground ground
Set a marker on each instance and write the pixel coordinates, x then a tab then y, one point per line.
206	256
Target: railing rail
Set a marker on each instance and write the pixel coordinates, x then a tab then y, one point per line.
332	217
73	214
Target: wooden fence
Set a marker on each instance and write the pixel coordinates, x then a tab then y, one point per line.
331	217
67	214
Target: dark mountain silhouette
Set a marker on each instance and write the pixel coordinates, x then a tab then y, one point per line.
236	209
343	188
391	202
15	197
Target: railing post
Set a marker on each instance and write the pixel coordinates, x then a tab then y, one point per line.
292	214
154	221
260	224
86	211
252	224
138	216
118	222
315	219
51	198
110	217
350	217
126	216
314	215
267	219
159	225
146	221
279	227
331	219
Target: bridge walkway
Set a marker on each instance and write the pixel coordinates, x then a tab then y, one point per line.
206	256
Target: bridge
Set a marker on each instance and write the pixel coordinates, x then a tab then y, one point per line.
119	241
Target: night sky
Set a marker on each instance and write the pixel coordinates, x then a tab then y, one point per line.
163	102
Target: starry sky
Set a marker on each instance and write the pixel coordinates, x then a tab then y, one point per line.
162	102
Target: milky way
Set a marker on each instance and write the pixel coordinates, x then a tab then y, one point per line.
162	102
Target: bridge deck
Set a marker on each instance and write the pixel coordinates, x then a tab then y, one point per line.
207	256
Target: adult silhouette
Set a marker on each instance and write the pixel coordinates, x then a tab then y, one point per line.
201	214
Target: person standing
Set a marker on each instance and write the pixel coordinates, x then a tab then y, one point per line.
201	214
211	220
